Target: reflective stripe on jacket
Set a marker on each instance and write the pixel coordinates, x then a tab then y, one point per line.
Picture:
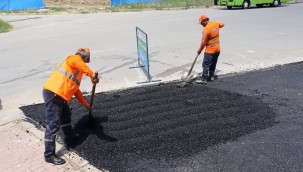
213	43
66	78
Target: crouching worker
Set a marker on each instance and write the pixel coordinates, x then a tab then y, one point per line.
58	91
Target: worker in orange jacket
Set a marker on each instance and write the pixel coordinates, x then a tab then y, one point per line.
210	40
58	91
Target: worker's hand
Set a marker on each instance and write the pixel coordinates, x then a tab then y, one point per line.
199	51
95	79
88	107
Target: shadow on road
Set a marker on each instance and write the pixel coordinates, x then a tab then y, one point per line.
85	127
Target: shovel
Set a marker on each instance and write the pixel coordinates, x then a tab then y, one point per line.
92	99
186	79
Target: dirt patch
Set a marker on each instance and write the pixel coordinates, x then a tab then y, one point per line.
50	3
75	6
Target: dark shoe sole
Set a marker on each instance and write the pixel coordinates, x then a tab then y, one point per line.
56	163
49	160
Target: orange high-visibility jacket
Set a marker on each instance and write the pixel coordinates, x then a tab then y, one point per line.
213	43
66	78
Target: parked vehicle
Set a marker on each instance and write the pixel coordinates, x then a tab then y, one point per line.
245	4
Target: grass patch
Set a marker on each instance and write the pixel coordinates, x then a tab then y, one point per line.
5	26
59	9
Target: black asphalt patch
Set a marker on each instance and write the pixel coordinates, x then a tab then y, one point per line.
157	128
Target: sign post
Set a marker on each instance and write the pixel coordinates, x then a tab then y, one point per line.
142	50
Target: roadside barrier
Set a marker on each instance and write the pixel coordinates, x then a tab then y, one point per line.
8	5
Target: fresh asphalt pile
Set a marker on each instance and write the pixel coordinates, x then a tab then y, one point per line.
162	127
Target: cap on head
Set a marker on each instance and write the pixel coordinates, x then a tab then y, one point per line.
83	52
202	17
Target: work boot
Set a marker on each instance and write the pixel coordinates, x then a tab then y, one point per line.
201	81
54	159
213	78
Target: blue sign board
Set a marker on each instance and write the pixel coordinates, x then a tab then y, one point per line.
142	48
122	2
8	5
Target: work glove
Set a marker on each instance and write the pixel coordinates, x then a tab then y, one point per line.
88	107
199	52
95	79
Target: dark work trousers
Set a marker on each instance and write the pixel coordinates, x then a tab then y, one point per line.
57	115
209	65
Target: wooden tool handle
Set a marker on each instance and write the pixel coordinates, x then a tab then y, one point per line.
92	96
192	66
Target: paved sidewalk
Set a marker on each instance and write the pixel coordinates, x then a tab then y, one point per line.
22	148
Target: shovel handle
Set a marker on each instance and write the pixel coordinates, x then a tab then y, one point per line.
192	66
92	97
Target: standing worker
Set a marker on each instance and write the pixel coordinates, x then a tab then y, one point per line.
210	40
58	91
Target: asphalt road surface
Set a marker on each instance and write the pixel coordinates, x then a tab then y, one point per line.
251	39
243	122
